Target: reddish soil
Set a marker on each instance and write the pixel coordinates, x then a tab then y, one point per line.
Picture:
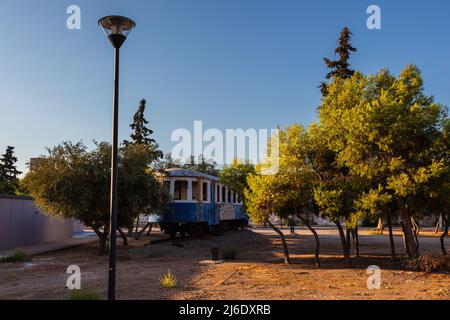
257	273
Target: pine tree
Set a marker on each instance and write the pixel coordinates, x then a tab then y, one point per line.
340	68
141	133
8	172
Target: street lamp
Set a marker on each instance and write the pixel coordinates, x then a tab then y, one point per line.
117	29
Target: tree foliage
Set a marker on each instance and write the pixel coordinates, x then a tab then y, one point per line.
202	165
340	68
290	190
141	132
235	176
167	162
385	130
9	175
380	147
72	182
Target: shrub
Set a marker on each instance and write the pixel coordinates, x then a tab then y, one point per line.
18	256
168	280
229	253
428	264
83	294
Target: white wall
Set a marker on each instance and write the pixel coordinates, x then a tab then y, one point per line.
21	224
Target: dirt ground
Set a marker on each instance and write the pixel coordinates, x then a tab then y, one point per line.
257	273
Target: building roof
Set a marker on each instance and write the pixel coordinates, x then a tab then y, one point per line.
178	172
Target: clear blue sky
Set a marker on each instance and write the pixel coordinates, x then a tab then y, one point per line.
232	64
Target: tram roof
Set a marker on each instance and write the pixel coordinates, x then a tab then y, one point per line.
178	172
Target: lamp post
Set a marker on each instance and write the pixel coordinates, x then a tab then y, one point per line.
117	29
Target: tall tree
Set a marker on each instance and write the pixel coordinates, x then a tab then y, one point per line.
288	192
335	178
141	132
297	179
340	68
9	174
335	190
263	200
384	129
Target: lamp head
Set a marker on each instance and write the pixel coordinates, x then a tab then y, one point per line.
116	29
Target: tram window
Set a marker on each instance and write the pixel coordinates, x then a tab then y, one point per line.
181	188
205	191
218	194
229	196
195	191
234	197
223	195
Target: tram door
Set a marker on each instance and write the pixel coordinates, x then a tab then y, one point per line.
214	209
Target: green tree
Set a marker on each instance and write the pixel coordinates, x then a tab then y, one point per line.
372	205
436	192
9	181
335	190
384	129
72	182
202	165
340	68
167	162
141	133
297	179
262	199
235	177
288	192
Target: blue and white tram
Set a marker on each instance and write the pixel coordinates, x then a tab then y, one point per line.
199	204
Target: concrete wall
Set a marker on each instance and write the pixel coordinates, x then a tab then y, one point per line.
21	224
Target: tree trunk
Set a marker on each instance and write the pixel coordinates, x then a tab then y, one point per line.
348	239
356	241
391	237
102	244
416	239
102	238
408	253
439	224
380	227
445	225
416	230
150	229
124	237
283	241
409	236
138	235
317	252
137	225
344	243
